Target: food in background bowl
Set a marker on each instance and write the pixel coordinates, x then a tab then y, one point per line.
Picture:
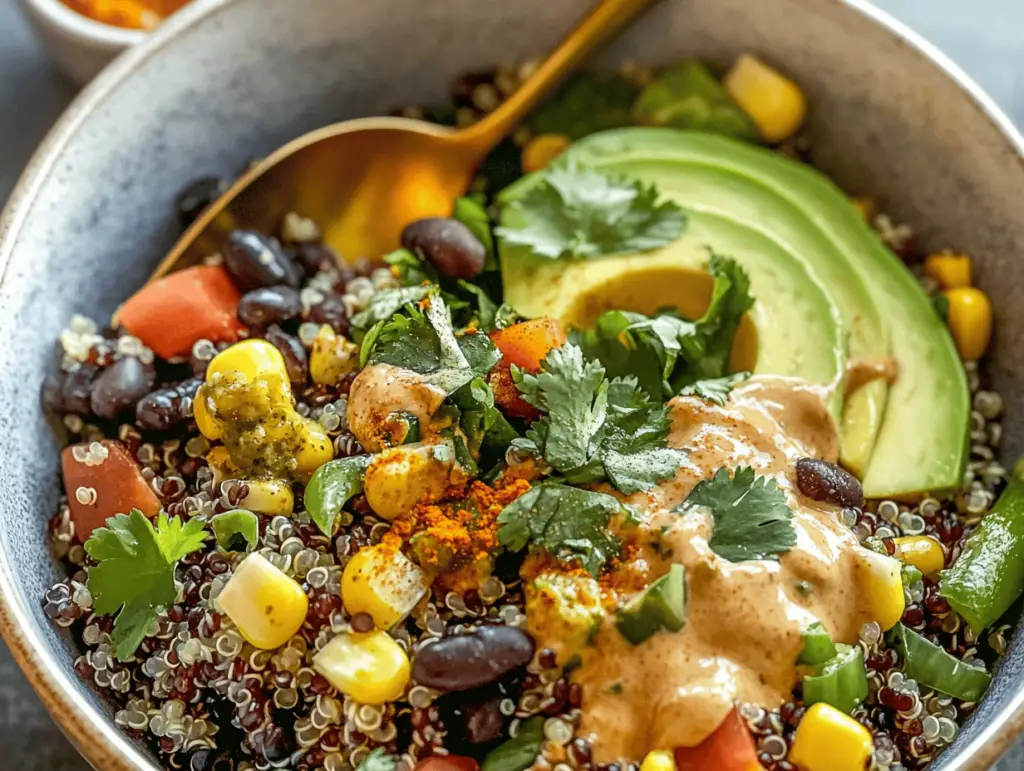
603	469
131	14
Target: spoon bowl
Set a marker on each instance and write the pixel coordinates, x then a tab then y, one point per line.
364	180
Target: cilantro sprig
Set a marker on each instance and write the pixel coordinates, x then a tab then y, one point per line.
576	213
135	574
752	520
670	355
567	522
422	338
593	428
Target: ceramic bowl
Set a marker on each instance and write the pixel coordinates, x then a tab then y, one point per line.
229	80
78	45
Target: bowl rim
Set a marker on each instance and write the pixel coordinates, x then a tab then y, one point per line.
95	736
82	28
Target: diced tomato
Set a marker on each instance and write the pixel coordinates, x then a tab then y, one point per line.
527	343
729	748
103	485
447	763
171	313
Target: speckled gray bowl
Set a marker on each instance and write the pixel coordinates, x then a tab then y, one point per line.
228	80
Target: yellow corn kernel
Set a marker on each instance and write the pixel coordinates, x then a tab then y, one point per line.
251	359
219	461
370	668
829	740
543	149
880	581
970	321
208	425
659	760
266	605
333	356
315	449
383	582
399	478
773	101
268	496
952	271
921	551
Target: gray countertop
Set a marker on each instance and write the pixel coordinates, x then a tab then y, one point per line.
986	37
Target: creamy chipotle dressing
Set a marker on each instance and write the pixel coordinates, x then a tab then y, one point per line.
744	620
381	392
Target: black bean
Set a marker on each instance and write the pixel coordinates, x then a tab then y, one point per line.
296	360
120	386
361	622
331	312
268	305
483	722
466	661
446	244
314	257
196	197
820	480
161	409
255	260
74	393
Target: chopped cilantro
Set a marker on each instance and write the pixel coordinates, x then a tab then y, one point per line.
585	103
379	760
670	355
135	574
482	422
424	340
567	522
752	520
594	428
387	303
520	752
579	213
471	212
715	389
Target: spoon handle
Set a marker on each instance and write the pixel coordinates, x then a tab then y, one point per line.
607	18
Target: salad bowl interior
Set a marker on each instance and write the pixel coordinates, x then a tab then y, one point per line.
227	81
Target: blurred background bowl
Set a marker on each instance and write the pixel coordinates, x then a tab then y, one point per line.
225	81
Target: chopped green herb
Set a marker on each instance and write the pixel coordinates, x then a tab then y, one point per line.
567	522
578	213
331	487
584	104
378	760
387	303
135	574
236	530
593	428
715	389
752	520
519	753
471	212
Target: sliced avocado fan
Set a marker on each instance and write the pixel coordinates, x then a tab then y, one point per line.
816	269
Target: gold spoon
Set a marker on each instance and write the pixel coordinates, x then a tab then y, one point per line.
364	180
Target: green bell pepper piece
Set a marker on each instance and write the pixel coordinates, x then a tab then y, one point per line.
930	665
331	487
818	646
988	576
841	681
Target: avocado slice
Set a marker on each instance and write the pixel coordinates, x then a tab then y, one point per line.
662	605
902	440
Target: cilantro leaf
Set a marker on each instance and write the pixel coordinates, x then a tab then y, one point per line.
424	340
135	574
574	396
231	528
668	354
585	103
387	303
482	422
379	760
752	520
567	522
595	428
716	389
586	213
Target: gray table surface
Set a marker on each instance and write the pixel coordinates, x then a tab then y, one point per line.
986	37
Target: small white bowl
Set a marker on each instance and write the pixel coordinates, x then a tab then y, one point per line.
78	45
